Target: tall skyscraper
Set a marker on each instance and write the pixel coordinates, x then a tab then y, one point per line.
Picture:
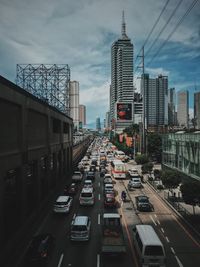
197	109
82	114
171	107
74	103
156	101
183	108
107	121
98	124
121	89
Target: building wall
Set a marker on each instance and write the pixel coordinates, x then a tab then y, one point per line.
181	151
183	108
74	102
82	114
35	157
197	109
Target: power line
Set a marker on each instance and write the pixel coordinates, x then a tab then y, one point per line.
155	24
164	27
173	31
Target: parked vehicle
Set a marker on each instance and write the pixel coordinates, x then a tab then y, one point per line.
63	204
40	250
80	228
77	176
149	247
112	235
143	203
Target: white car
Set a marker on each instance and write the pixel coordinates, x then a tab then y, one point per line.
134	182
77	176
63	204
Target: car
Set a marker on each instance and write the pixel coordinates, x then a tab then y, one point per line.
77	176
70	190
90	175
40	250
134	183
102	172
143	203
108	175
63	204
110	201
108	188
80	228
92	168
107	180
87	197
133	172
88	184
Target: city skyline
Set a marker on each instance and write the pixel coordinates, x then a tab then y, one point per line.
63	33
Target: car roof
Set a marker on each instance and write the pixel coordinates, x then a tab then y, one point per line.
80	220
62	198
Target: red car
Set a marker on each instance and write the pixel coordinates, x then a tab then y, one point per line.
110	201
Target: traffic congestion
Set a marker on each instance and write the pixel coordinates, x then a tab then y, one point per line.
107	215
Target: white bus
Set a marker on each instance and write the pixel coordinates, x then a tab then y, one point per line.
149	248
119	155
118	169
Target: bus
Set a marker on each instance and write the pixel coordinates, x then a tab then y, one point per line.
118	169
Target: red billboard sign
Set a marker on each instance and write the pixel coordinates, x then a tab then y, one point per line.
124	111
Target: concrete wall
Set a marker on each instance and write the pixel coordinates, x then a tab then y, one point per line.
35	158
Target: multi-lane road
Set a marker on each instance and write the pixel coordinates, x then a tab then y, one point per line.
182	249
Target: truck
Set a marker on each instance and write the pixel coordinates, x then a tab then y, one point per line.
112	235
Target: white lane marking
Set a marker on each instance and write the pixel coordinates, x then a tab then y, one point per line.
98	260
99	184
178	261
167	239
99	218
172	250
152	220
162	230
158	222
155	215
60	260
99	196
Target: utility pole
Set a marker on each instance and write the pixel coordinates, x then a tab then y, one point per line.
143	100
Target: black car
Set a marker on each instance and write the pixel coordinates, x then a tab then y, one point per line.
70	190
143	203
40	250
90	175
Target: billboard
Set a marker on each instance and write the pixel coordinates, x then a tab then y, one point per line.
124	111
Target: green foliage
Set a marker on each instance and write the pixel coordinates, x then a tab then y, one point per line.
131	130
171	179
154	146
141	159
147	167
157	173
191	193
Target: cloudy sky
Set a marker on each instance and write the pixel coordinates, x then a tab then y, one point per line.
80	33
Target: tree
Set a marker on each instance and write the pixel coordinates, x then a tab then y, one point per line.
154	146
132	129
171	179
191	193
147	167
141	159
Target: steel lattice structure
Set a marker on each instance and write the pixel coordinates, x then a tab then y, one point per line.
47	82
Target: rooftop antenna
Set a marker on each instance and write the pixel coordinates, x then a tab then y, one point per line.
123	26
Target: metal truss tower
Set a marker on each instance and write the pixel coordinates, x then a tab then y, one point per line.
47	82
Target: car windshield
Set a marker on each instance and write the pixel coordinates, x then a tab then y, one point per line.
153	251
79	228
86	194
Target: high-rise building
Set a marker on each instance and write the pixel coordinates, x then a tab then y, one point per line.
121	89
183	108
98	124
74	103
171	106
197	109
156	101
82	115
137	108
107	121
